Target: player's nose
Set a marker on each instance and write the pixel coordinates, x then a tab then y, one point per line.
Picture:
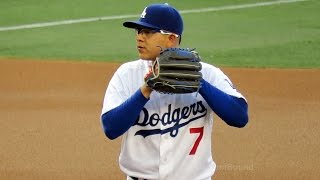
139	37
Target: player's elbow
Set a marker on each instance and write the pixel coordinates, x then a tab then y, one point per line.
243	121
240	117
243	118
110	135
106	128
239	122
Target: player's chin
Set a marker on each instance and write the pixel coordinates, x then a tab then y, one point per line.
145	56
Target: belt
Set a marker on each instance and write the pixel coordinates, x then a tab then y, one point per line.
135	178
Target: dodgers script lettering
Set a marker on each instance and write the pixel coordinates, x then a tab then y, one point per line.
172	120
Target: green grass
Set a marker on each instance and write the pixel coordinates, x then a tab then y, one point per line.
274	36
16	12
300	54
285	36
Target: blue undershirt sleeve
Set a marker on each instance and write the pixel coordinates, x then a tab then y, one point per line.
118	120
232	110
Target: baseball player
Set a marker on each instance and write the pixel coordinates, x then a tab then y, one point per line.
166	136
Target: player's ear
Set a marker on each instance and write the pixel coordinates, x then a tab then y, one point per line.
173	41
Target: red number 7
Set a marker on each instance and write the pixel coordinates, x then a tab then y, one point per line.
196	144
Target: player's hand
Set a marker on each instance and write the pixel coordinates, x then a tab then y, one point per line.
146	91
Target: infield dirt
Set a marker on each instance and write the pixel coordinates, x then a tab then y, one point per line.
50	123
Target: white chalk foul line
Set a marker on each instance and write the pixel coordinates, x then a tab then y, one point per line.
210	9
71	21
241	6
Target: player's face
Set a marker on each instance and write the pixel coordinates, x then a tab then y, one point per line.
150	42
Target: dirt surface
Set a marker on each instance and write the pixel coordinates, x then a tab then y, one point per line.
50	124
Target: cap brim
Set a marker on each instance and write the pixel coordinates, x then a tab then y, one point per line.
136	24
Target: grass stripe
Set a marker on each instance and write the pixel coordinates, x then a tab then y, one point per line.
210	9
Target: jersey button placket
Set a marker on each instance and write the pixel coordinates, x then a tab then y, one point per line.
165	136
165	166
165	141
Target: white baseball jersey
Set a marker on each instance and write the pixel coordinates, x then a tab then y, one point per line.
172	138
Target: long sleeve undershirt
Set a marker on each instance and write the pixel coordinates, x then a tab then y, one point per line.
116	121
233	110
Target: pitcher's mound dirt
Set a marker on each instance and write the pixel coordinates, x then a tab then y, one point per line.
50	126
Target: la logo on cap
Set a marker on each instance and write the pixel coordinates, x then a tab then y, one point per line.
144	13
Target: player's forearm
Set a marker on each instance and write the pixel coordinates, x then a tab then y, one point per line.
118	120
233	110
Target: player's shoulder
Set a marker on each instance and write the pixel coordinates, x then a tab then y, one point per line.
206	67
211	72
132	66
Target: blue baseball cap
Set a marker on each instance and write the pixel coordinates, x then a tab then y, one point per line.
159	17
